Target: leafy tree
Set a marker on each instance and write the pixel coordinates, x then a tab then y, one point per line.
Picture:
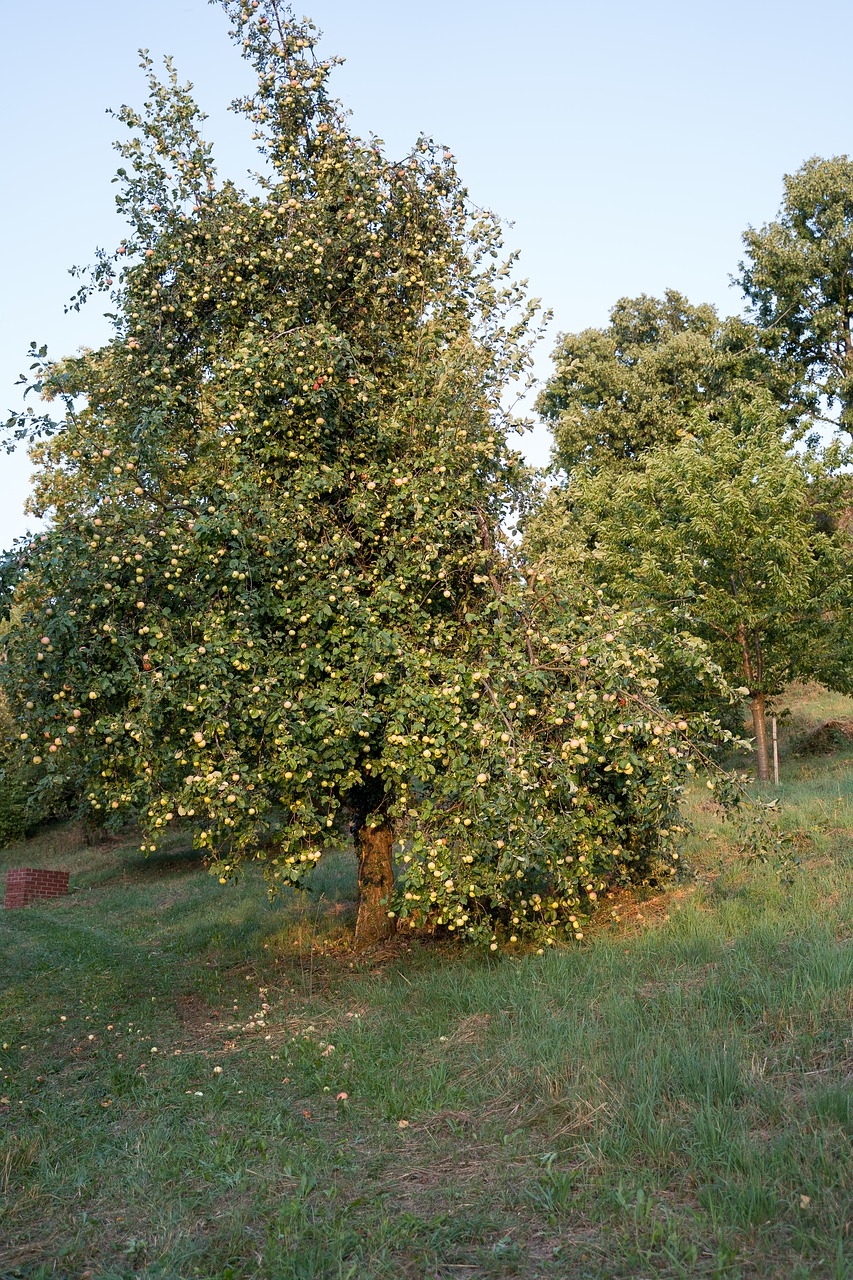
729	536
798	275
274	597
619	391
15	785
23	802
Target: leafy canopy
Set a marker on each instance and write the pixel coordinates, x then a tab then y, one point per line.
798	276
729	537
619	391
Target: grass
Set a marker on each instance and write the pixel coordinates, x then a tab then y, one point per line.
672	1099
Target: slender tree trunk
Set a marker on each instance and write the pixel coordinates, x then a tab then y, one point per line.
375	884
759	725
753	674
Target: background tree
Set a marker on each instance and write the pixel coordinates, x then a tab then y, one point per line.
16	783
24	802
729	536
274	597
798	276
619	391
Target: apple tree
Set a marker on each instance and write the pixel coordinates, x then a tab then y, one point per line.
275	600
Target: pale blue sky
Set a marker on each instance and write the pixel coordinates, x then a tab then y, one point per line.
629	143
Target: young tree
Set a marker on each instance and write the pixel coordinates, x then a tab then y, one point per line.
728	536
619	391
798	275
274	597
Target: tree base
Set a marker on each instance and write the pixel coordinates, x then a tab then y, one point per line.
375	885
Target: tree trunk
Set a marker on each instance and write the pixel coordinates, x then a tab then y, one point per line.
753	674
375	884
759	725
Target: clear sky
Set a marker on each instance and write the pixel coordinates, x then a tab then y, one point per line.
628	143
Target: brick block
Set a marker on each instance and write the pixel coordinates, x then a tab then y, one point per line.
29	884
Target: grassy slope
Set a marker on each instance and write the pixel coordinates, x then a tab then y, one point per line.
672	1099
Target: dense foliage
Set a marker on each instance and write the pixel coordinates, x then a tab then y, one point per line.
729	537
798	276
275	598
15	815
619	391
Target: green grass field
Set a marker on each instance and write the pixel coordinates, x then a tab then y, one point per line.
670	1099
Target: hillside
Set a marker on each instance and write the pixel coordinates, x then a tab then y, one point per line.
198	1083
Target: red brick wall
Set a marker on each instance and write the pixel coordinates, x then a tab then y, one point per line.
27	884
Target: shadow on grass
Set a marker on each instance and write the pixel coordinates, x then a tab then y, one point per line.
142	866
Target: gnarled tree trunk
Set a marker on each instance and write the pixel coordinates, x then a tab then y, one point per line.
375	882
